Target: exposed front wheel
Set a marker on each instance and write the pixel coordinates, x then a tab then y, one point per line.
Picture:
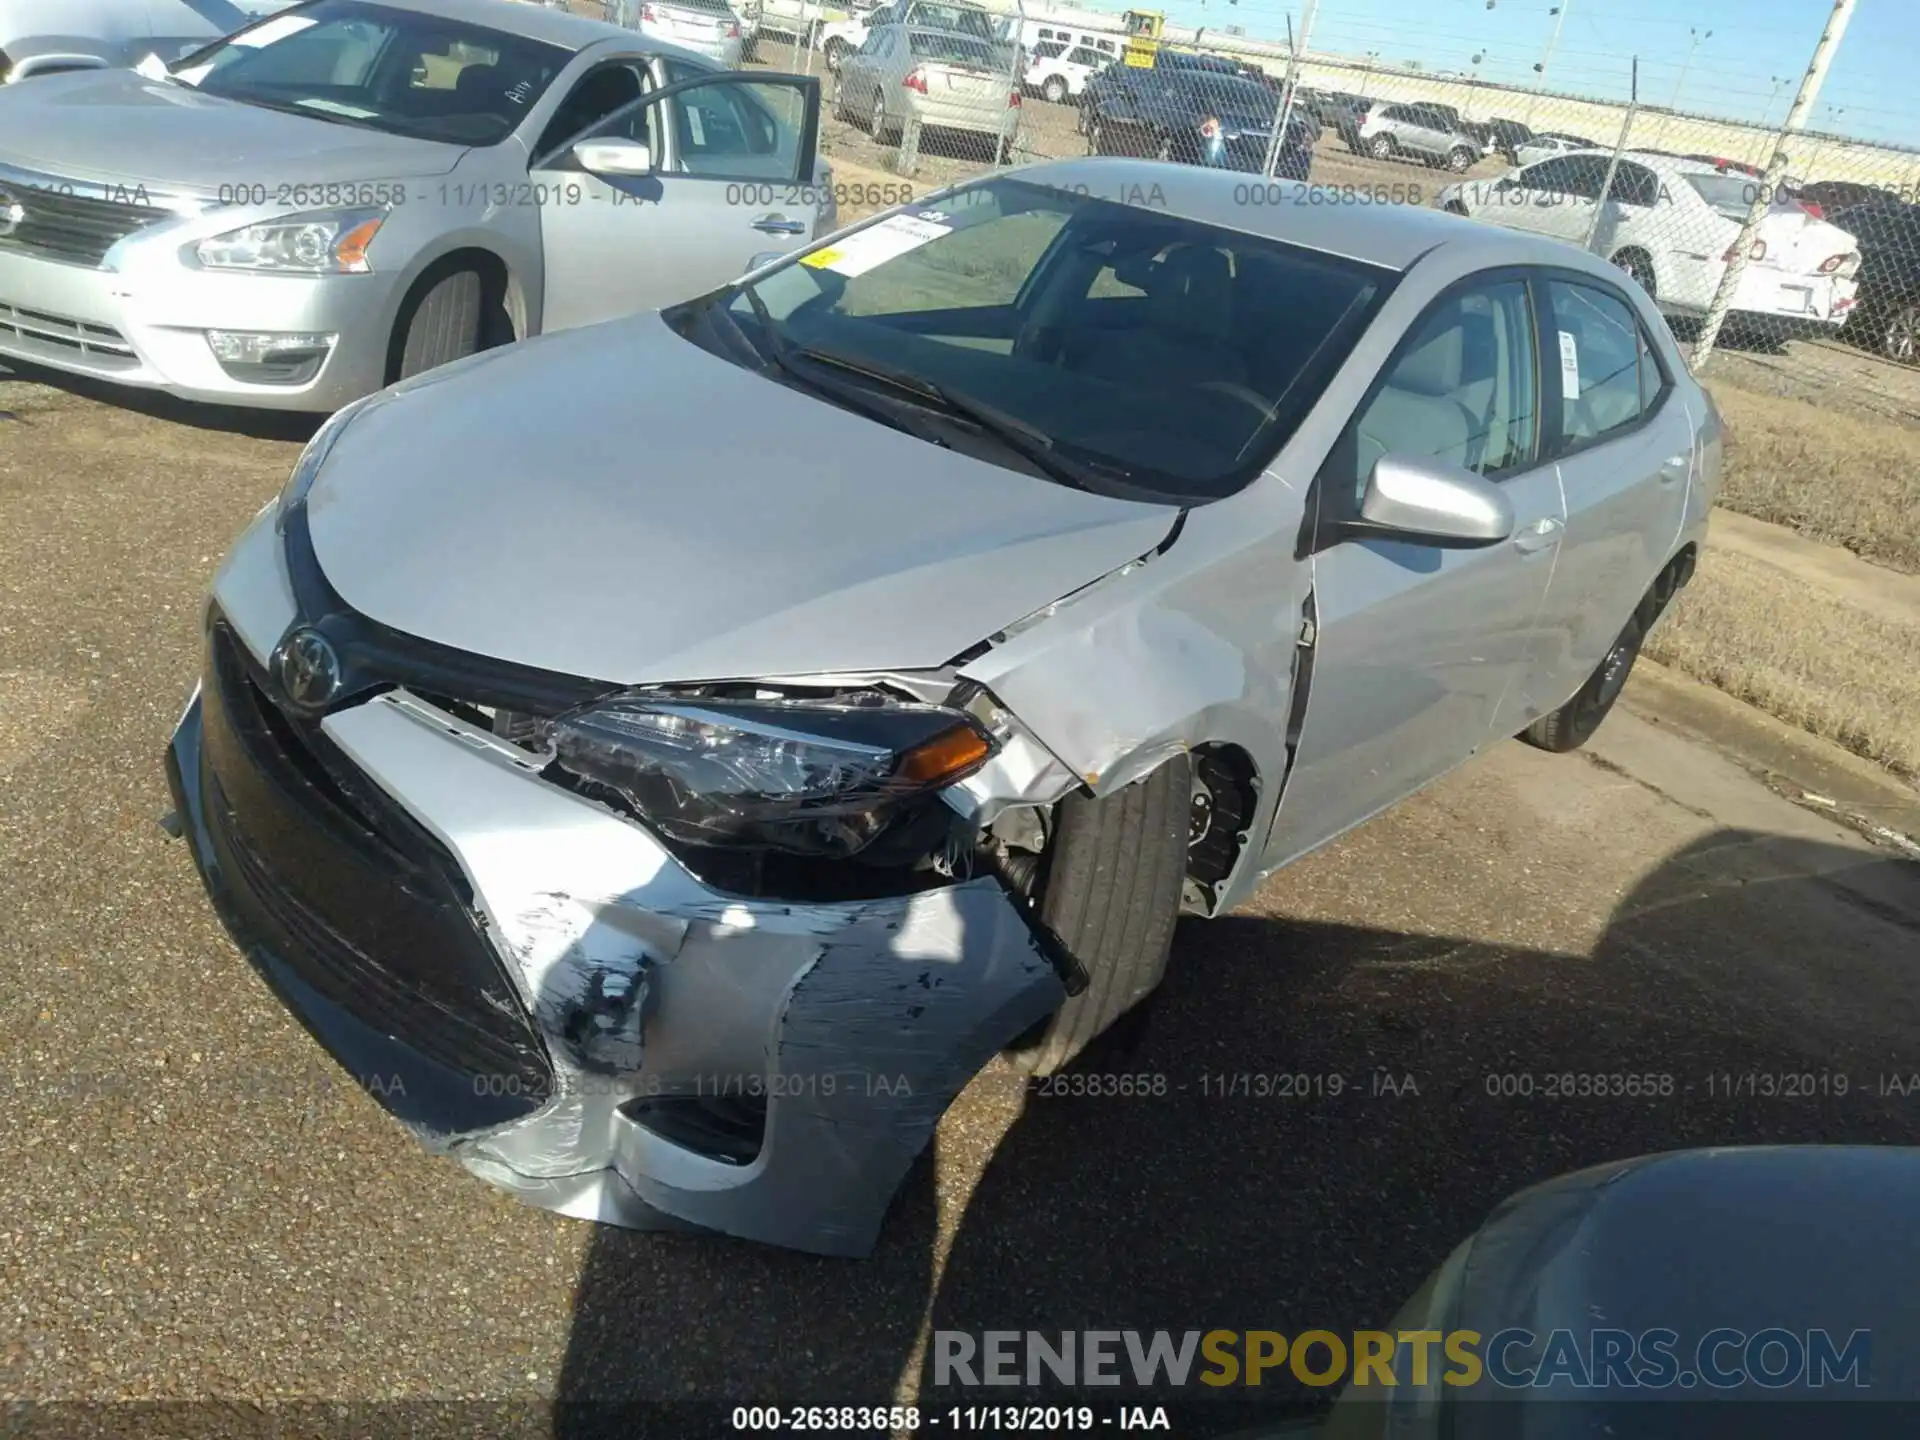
1573	724
441	324
1055	90
1459	160
1110	897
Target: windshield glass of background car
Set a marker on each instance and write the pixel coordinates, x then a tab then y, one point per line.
953	49
1732	195
1176	353
385	69
954	17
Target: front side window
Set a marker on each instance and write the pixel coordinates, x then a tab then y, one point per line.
1169	356
379	68
1461	390
729	128
1599	346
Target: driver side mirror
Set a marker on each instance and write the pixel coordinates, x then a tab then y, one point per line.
1430	502
614	157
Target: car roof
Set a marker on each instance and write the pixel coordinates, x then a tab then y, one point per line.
1390	236
517	17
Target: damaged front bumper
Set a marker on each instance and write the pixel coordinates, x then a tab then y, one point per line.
536	986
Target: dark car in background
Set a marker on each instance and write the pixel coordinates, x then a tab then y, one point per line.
1886	316
1829	197
1498	134
1198	117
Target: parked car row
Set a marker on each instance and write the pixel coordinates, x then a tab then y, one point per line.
1199	111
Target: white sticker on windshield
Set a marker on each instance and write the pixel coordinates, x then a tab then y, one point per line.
273	30
860	252
697	123
1569	366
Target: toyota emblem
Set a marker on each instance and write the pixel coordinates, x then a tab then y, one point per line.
308	668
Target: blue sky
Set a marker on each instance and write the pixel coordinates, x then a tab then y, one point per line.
1751	63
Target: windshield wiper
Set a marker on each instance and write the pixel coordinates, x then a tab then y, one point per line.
778	354
1034	446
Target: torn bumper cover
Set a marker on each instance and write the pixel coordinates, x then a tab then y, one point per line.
539	988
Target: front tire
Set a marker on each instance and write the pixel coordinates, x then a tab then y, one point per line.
836	53
1459	161
441	324
1574	723
1111	897
1055	90
1638	267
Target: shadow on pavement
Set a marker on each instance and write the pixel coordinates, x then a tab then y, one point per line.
234	419
1423	1085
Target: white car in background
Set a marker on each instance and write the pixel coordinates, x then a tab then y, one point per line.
1545	147
1672	224
707	27
43	37
1060	72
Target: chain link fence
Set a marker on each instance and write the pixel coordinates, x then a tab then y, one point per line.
1751	209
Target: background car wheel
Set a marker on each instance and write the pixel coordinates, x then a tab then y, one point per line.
1459	160
1055	90
836	53
442	322
1111	895
1638	267
1900	338
1573	724
1380	147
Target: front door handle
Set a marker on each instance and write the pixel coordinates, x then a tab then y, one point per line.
1675	469
780	225
1540	535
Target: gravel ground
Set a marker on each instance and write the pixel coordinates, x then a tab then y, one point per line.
194	1205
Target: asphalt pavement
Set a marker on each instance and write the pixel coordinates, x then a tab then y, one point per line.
192	1203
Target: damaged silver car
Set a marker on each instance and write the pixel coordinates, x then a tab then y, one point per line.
665	761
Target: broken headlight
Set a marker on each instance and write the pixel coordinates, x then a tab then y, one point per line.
820	777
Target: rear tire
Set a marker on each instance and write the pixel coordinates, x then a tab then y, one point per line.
1573	724
1900	334
1380	148
1639	269
1111	896
441	324
877	121
836	53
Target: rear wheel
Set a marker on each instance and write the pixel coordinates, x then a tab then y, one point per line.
1638	267
836	53
1380	147
1573	724
1110	897
1900	336
877	121
440	324
1055	90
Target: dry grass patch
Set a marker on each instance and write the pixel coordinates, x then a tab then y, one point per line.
1756	633
1836	477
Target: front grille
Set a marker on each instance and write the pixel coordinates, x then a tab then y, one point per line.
100	343
354	897
79	229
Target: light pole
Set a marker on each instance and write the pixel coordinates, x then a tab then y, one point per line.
1559	13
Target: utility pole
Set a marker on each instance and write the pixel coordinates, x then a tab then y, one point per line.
1559	19
1285	117
1769	185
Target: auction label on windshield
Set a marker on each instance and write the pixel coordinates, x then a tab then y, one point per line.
880	242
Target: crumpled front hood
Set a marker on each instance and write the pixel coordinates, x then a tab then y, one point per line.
119	126
619	504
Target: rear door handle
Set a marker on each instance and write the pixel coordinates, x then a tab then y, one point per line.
1675	469
780	225
1540	535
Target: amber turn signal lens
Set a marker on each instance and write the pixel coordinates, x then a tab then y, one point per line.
946	757
351	248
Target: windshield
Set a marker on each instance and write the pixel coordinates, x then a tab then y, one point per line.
1240	97
1170	356
383	69
954	17
956	49
1733	195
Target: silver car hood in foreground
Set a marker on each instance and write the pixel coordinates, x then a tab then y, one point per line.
619	504
120	126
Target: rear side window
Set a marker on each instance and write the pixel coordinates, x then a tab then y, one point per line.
1609	377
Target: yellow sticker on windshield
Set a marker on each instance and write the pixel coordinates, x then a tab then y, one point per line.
822	259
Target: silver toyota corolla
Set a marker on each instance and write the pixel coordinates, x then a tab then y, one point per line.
349	193
665	793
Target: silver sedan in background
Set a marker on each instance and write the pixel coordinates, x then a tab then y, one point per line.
938	79
358	190
683	785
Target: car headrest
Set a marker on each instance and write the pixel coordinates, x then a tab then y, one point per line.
1192	289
